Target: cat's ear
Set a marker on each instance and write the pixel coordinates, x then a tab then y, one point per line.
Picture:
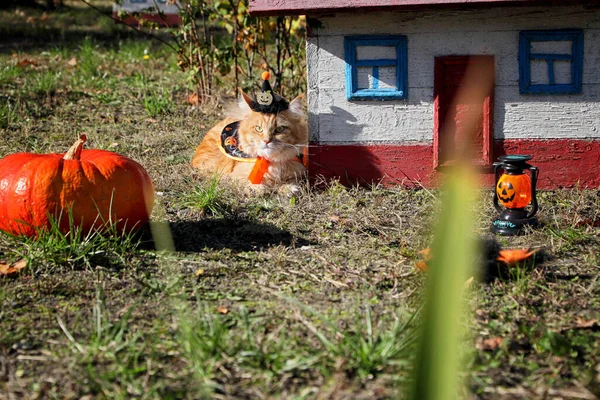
245	101
296	106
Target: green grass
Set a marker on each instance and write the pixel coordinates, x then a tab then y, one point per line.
88	58
158	103
132	51
112	344
8	112
7	74
51	250
45	84
439	365
261	347
207	197
368	350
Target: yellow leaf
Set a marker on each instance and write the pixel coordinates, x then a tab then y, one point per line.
8	269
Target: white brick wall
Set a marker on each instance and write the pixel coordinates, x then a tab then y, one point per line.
333	119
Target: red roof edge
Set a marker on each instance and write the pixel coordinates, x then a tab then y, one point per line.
318	7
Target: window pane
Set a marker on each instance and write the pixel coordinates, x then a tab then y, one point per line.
562	72
372	63
539	72
375	52
387	77
558	76
553	47
365	77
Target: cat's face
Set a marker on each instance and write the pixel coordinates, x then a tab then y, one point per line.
277	137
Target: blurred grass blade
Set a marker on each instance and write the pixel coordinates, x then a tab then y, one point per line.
437	372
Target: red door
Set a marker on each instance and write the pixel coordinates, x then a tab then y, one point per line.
463	109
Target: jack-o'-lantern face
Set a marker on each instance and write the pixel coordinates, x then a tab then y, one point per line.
514	191
506	192
265	98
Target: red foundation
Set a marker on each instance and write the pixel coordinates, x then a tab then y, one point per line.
562	162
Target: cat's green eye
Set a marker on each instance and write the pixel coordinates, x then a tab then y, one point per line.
258	128
280	129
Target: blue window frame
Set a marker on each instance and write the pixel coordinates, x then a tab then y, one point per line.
380	77
535	49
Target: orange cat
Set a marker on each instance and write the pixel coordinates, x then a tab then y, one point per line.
274	131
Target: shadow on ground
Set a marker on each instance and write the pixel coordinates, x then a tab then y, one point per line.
236	234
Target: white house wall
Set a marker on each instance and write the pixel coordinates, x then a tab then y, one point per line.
334	119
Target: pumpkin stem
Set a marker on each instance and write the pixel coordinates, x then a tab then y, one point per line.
74	153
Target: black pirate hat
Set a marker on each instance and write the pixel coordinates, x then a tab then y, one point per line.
266	101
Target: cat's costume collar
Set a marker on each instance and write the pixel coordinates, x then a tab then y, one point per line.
230	143
230	146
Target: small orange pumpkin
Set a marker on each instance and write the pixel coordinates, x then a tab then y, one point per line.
514	191
95	186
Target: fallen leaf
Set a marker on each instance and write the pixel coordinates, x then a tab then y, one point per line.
72	62
589	222
422	265
193	99
489	343
513	256
4	268
426	253
334	218
44	16
30	20
426	256
9	269
26	62
222	310
583	323
199	272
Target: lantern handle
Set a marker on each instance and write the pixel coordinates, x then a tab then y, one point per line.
497	171
534	204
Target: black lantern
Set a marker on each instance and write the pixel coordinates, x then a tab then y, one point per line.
515	190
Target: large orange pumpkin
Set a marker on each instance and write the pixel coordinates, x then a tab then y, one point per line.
94	186
514	191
